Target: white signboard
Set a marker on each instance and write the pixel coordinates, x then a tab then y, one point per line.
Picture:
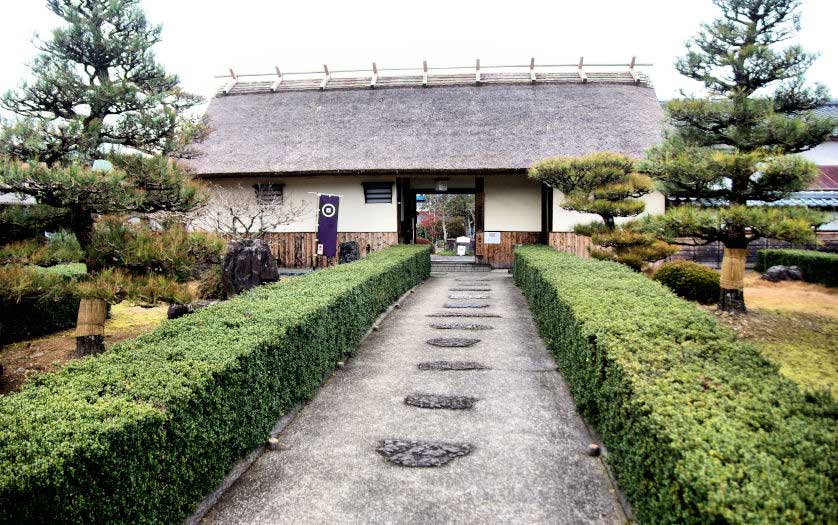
491	238
461	250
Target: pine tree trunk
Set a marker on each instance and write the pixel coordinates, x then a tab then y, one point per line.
732	280
90	327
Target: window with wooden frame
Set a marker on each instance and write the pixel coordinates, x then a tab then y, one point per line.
268	193
378	192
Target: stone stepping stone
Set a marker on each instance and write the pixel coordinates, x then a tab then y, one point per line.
471	279
421	453
451	365
469	296
466	305
462	314
470	289
453	342
435	402
460	326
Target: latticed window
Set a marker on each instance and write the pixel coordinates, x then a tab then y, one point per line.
268	193
378	192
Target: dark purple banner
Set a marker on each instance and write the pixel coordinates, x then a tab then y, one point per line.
327	225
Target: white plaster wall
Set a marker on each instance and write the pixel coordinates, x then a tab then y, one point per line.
354	215
513	203
564	220
825	154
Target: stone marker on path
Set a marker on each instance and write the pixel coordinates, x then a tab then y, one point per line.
435	401
468	296
451	365
470	289
460	326
421	453
453	342
463	314
466	305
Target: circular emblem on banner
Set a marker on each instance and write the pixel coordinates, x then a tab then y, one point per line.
328	210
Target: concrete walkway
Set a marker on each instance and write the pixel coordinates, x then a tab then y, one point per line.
527	462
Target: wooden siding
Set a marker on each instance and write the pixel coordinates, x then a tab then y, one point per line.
501	255
570	242
297	249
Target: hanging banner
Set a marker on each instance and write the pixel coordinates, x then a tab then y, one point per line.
327	225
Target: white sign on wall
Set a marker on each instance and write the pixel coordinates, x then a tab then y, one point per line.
491	237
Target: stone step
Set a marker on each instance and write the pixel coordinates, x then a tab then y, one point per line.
441	267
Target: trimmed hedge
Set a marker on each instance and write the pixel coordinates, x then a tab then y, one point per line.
700	428
818	267
690	280
143	432
35	301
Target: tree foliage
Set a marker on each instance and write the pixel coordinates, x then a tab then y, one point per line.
733	146
605	184
97	85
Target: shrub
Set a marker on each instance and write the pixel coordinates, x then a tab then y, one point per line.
817	267
700	428
422	240
60	248
139	249
690	280
143	432
211	285
34	301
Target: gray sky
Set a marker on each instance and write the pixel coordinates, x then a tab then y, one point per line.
202	38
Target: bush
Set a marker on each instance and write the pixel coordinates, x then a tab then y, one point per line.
690	280
211	285
60	248
35	301
143	432
422	240
817	267
699	427
139	249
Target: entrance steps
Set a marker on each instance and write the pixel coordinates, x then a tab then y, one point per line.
453	266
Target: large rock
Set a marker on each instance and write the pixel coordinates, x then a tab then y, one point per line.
783	273
348	252
248	264
179	310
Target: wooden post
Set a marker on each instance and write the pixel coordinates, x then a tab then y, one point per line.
732	280
477	72
90	327
582	74
424	73
374	78
532	70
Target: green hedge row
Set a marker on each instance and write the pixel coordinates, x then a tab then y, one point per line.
817	267
35	301
700	428
142	433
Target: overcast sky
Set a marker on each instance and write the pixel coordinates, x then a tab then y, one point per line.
202	38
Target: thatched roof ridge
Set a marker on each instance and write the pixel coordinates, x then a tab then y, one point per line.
464	128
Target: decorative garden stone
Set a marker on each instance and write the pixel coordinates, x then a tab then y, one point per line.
453	342
451	365
421	453
435	401
783	273
468	296
248	264
349	252
466	305
470	289
460	326
179	310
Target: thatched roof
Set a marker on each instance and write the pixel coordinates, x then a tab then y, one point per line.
414	129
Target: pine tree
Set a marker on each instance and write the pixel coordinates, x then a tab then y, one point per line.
97	92
734	145
97	85
607	185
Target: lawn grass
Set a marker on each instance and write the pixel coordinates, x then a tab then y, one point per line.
26	358
795	325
